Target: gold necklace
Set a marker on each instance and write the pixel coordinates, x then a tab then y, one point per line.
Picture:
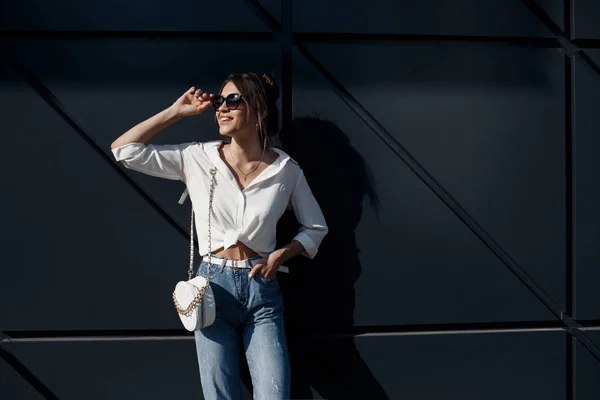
238	167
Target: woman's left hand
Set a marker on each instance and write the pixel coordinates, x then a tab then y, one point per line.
268	266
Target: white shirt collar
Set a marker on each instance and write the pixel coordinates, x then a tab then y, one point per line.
212	151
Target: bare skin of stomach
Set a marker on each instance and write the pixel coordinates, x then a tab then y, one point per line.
238	251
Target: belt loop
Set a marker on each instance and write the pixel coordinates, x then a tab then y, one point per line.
222	265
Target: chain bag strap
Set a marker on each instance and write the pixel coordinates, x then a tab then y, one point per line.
196	301
213	172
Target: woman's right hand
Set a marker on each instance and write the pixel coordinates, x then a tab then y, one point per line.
192	102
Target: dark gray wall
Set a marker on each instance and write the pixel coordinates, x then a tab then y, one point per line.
405	299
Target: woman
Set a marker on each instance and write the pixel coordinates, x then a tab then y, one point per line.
255	184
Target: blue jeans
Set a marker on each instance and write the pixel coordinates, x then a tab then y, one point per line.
249	314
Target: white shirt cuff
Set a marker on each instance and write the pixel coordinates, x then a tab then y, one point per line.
309	245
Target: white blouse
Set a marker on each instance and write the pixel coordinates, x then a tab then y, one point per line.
250	215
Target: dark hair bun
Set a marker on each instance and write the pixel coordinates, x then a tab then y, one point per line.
272	87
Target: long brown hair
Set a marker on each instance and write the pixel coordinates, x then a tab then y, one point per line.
260	93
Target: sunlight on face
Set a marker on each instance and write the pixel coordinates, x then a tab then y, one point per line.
234	122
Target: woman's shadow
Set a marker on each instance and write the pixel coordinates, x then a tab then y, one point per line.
319	294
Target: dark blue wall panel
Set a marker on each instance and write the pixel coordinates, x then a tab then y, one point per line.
490	366
464	17
109	86
586	17
495	142
486	119
141	370
587	144
159	15
75	215
13	386
587	371
69	225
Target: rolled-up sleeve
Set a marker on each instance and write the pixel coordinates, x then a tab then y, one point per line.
163	161
308	213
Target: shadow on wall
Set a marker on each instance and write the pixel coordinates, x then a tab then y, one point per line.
319	294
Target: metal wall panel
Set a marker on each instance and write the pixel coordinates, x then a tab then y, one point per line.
115	370
109	86
159	15
13	386
416	250
82	242
407	297
273	7
491	366
434	17
587	371
586	17
587	144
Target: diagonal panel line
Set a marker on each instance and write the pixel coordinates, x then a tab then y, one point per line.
413	164
430	181
22	370
544	18
438	190
447	199
56	105
589	62
571	51
264	15
570	46
589	344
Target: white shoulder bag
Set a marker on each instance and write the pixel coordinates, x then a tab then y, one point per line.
194	299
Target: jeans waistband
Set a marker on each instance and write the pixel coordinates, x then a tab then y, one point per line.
247	263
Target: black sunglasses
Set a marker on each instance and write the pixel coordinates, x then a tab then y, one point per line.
232	100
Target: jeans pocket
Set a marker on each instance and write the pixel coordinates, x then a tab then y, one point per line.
265	280
203	270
